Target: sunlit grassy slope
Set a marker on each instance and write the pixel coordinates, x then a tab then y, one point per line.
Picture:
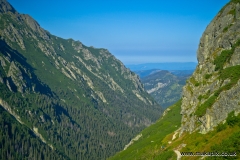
157	143
224	138
150	145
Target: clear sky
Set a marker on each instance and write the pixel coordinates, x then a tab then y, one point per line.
135	31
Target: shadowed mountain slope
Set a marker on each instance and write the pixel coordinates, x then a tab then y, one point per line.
70	101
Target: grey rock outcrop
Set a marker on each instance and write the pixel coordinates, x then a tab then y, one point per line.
6	7
16	77
220	35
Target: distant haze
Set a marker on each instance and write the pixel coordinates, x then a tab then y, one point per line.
134	31
171	66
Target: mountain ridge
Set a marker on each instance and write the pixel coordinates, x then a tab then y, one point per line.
75	101
163	66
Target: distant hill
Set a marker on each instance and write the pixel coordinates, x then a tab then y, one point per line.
179	73
144	73
164	86
163	66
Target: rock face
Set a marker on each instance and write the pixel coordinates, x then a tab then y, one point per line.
210	98
213	91
81	100
6	7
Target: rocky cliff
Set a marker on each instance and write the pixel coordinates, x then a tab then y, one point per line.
210	105
213	91
79	101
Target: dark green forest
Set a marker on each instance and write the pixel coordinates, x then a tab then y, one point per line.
60	99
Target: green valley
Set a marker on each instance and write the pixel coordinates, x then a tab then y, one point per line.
60	99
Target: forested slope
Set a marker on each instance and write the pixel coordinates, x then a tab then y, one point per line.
74	101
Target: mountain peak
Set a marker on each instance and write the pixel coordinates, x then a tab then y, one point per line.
6	7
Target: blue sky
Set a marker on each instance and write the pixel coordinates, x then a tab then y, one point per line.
138	31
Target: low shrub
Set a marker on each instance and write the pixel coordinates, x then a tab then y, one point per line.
207	76
221	127
225	56
232	119
201	110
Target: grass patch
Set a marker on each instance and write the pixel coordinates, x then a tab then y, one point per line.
222	59
225	29
235	1
207	76
230	144
225	56
189	89
224	138
232	73
232	119
166	155
201	110
192	80
200	97
232	12
197	84
221	127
